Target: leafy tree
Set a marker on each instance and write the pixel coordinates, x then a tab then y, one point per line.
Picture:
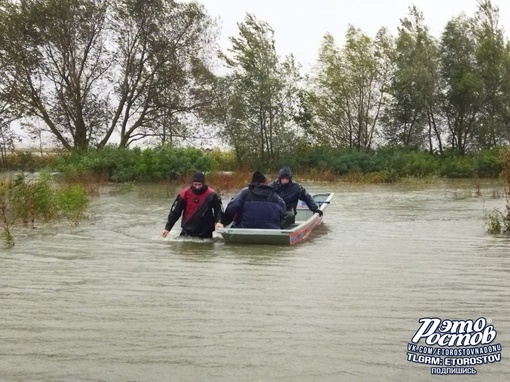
53	52
90	68
493	61
228	112
163	67
261	98
411	117
8	138
326	100
349	90
461	83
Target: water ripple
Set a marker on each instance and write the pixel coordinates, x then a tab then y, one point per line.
111	300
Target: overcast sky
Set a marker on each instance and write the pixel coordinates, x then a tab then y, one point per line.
300	25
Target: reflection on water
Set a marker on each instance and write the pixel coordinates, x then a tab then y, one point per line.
110	300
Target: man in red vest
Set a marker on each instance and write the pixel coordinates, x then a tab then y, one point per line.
200	208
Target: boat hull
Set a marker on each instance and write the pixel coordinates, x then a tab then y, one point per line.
306	221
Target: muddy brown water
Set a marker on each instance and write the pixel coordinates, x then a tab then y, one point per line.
110	300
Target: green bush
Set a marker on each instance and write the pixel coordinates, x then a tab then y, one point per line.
167	162
497	221
71	202
223	160
27	161
458	167
402	161
126	165
24	201
420	164
488	163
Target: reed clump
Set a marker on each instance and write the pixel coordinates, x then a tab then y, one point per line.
497	221
26	201
505	158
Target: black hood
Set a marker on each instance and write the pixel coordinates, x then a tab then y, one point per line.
261	190
285	173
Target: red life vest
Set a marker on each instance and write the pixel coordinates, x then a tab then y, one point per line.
193	201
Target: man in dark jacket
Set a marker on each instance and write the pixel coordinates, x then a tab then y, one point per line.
200	208
291	192
256	206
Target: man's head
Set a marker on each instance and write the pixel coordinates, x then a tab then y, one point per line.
285	175
258	177
198	180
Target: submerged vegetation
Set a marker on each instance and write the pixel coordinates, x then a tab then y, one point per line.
25	201
505	159
497	221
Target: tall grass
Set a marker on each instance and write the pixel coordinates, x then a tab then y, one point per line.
505	158
27	161
24	201
497	221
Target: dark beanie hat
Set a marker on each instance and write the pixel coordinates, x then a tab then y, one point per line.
198	177
258	177
285	173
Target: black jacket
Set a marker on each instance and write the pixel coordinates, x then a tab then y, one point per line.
291	193
256	206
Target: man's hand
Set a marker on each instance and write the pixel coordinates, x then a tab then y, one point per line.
219	225
318	211
165	233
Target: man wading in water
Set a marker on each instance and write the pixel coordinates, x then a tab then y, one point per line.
200	208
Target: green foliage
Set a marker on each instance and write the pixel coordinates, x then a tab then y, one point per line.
348	89
30	200
25	201
458	166
353	161
223	160
493	221
397	162
498	222
489	163
26	161
412	90
260	97
71	201
413	85
504	155
7	237
58	57
126	165
43	194
167	162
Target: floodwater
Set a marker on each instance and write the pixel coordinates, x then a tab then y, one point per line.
110	300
